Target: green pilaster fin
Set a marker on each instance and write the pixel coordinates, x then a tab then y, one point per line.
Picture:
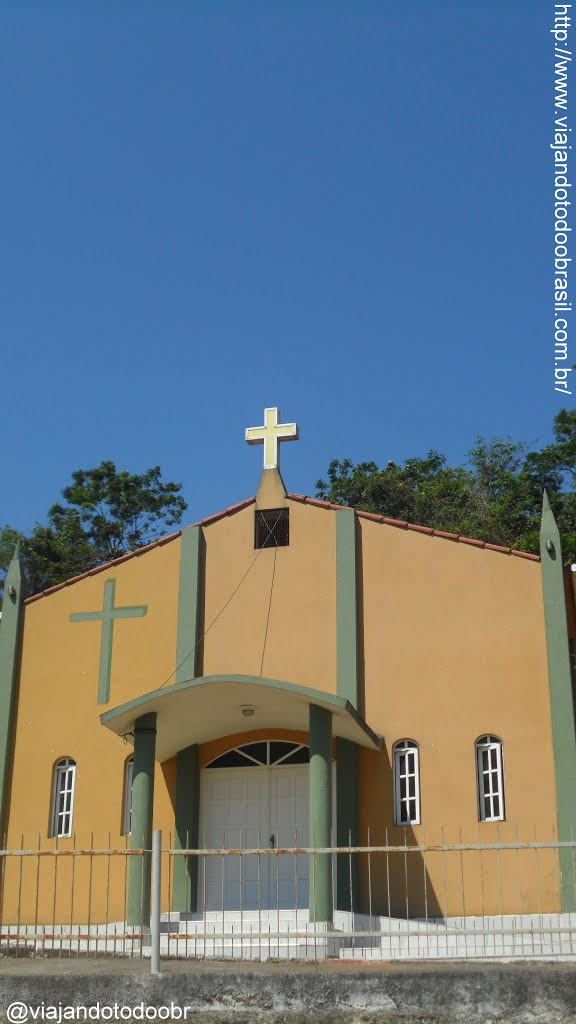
189	605
346	607
10	633
106	617
139	868
186	821
561	700
346	823
320	813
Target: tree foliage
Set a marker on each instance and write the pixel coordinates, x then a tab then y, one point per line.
105	513
496	496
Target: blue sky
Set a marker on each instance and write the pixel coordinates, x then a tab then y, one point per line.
339	208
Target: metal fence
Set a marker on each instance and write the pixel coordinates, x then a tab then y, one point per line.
399	900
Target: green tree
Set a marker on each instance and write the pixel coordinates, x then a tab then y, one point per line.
106	513
496	496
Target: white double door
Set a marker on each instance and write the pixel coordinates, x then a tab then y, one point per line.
254	808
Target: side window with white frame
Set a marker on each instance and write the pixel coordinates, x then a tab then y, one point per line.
63	797
127	802
490	776
406	766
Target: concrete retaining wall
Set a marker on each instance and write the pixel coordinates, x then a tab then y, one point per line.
507	994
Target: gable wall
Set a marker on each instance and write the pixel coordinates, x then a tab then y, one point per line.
454	647
299	638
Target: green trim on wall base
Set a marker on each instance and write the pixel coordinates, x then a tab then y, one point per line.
346	607
346	824
320	810
10	633
561	700
187	824
142	813
189	604
106	617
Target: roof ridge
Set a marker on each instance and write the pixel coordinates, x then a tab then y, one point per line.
304	499
138	551
430	531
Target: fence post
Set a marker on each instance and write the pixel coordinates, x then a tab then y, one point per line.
155	909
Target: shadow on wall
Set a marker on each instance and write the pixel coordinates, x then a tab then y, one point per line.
439	871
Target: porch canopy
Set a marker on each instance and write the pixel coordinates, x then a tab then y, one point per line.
203	709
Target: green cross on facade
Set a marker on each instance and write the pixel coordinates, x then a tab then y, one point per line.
107	616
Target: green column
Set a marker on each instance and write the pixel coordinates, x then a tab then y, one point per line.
187	820
347	685
346	607
561	699
188	650
346	824
142	811
10	632
320	810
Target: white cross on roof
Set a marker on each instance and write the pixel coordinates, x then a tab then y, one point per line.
270	434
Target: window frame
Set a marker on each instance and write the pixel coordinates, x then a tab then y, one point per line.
269	536
486	743
250	761
401	749
64	769
128	783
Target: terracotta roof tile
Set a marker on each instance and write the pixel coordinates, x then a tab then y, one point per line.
52	590
122	558
139	551
213	519
418	529
293	497
147	547
226	512
368	515
166	540
320	503
240	505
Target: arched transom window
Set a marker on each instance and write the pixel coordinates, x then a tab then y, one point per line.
263	754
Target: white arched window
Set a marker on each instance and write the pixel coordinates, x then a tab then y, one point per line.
63	797
406	783
490	776
127	801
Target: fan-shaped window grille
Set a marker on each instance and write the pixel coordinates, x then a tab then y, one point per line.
263	754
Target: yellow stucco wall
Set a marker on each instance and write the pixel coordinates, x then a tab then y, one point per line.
452	647
58	716
296	643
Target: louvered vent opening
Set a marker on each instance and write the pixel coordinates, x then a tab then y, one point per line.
271	528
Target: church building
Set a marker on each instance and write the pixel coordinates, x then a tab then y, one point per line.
288	674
